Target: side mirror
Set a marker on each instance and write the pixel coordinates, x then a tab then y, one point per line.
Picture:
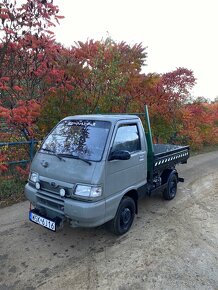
119	155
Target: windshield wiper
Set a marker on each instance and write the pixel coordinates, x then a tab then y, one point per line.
77	157
55	154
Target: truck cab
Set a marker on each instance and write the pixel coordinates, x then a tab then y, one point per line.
93	169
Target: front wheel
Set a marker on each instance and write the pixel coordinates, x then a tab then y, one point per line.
171	189
124	216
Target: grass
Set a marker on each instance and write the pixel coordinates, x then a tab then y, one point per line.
11	191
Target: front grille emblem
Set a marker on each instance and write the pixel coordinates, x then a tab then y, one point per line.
53	184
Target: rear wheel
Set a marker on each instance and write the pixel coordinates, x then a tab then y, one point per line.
124	216
171	189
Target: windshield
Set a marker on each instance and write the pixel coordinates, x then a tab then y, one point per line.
82	138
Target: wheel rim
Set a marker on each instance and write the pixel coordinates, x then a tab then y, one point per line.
125	218
172	188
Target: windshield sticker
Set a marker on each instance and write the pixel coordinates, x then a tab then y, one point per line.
80	123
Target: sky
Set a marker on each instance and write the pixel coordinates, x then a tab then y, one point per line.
177	33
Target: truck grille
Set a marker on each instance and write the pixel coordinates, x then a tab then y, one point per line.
48	187
48	196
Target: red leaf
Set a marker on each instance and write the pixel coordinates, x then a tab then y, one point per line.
17	88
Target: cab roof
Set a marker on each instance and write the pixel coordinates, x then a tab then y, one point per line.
103	117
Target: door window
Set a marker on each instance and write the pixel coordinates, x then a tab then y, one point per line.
127	138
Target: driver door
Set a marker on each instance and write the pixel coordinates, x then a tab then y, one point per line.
122	175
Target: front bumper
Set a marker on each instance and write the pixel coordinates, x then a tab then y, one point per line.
80	213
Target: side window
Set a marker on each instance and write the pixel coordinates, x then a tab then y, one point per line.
127	138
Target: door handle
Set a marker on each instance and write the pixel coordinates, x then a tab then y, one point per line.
141	158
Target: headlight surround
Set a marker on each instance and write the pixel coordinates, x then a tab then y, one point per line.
88	191
34	177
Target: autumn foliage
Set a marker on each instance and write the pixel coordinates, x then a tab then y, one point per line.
41	81
200	124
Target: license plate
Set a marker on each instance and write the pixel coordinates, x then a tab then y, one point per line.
42	221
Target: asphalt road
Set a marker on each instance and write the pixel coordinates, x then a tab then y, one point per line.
171	245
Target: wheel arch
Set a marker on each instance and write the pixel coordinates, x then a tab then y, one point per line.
166	174
134	195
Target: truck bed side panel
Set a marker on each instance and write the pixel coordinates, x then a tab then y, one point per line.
166	156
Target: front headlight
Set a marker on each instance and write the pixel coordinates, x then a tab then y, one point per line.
88	191
34	177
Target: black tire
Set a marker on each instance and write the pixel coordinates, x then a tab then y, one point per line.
124	217
171	189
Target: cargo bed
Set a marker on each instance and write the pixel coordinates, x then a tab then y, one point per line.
167	155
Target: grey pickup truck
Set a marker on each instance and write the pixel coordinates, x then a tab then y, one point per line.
93	169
